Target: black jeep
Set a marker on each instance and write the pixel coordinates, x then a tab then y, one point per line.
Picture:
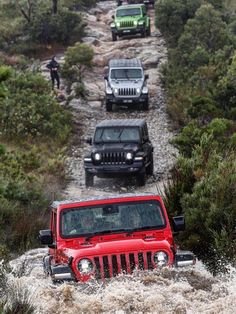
119	148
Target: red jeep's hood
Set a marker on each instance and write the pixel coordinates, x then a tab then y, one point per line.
116	247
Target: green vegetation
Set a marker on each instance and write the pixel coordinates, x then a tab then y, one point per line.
77	59
31	26
200	82
34	131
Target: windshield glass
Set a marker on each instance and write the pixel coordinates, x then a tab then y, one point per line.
126	74
111	218
116	134
128	12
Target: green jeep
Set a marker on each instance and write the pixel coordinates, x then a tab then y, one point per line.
129	20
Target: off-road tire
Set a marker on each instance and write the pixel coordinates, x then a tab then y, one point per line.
141	178
143	33
114	37
89	178
146	106
150	167
108	106
149	30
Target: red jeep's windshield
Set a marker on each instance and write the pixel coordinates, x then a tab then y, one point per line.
111	218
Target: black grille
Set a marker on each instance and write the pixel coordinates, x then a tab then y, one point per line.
127	92
126	24
113	158
111	265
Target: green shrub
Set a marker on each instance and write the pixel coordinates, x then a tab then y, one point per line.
64	27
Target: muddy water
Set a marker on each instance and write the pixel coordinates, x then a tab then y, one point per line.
167	291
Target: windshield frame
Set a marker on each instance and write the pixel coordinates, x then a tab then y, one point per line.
116	141
126	78
112	231
127	10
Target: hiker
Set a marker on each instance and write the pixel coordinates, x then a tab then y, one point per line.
54	66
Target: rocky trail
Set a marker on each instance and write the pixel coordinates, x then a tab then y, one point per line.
188	291
87	113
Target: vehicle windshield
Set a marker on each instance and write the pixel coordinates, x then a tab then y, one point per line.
128	12
117	134
111	218
126	74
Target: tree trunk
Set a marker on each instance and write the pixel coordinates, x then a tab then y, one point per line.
54	6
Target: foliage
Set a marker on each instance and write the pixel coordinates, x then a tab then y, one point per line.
200	82
64	27
78	58
34	129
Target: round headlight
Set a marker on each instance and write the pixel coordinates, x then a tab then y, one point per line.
85	266
118	24
116	90
97	156
135	23
161	258
138	90
129	156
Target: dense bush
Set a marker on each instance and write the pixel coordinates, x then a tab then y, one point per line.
34	130
64	27
200	83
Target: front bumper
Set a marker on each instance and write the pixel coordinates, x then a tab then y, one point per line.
143	98
114	170
128	31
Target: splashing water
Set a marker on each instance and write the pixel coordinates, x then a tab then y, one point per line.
168	290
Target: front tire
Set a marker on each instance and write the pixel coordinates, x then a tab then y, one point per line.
146	105
108	106
143	33
141	178
114	37
89	178
149	30
150	167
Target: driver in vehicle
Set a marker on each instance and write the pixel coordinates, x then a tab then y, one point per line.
85	224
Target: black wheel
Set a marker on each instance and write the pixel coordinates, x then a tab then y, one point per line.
114	37
146	106
149	30
150	167
143	33
88	179
108	106
141	178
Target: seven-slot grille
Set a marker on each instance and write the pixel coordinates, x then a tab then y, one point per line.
110	265
127	91
124	24
113	158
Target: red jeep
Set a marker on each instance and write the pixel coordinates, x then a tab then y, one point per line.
104	236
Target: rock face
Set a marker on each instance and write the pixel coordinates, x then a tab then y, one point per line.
152	52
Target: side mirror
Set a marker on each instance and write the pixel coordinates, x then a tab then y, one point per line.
146	76
113	16
178	223
45	237
106	77
89	140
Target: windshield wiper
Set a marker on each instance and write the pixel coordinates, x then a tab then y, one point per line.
87	238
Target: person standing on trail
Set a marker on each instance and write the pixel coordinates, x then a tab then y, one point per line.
54	66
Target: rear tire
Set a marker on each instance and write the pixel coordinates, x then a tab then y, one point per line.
141	178
88	179
108	106
149	30
114	37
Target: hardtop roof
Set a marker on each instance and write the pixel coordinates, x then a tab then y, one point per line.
125	63
121	122
130	6
55	204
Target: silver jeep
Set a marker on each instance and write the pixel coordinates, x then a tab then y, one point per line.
126	83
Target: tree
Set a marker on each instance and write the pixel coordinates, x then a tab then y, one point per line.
79	57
